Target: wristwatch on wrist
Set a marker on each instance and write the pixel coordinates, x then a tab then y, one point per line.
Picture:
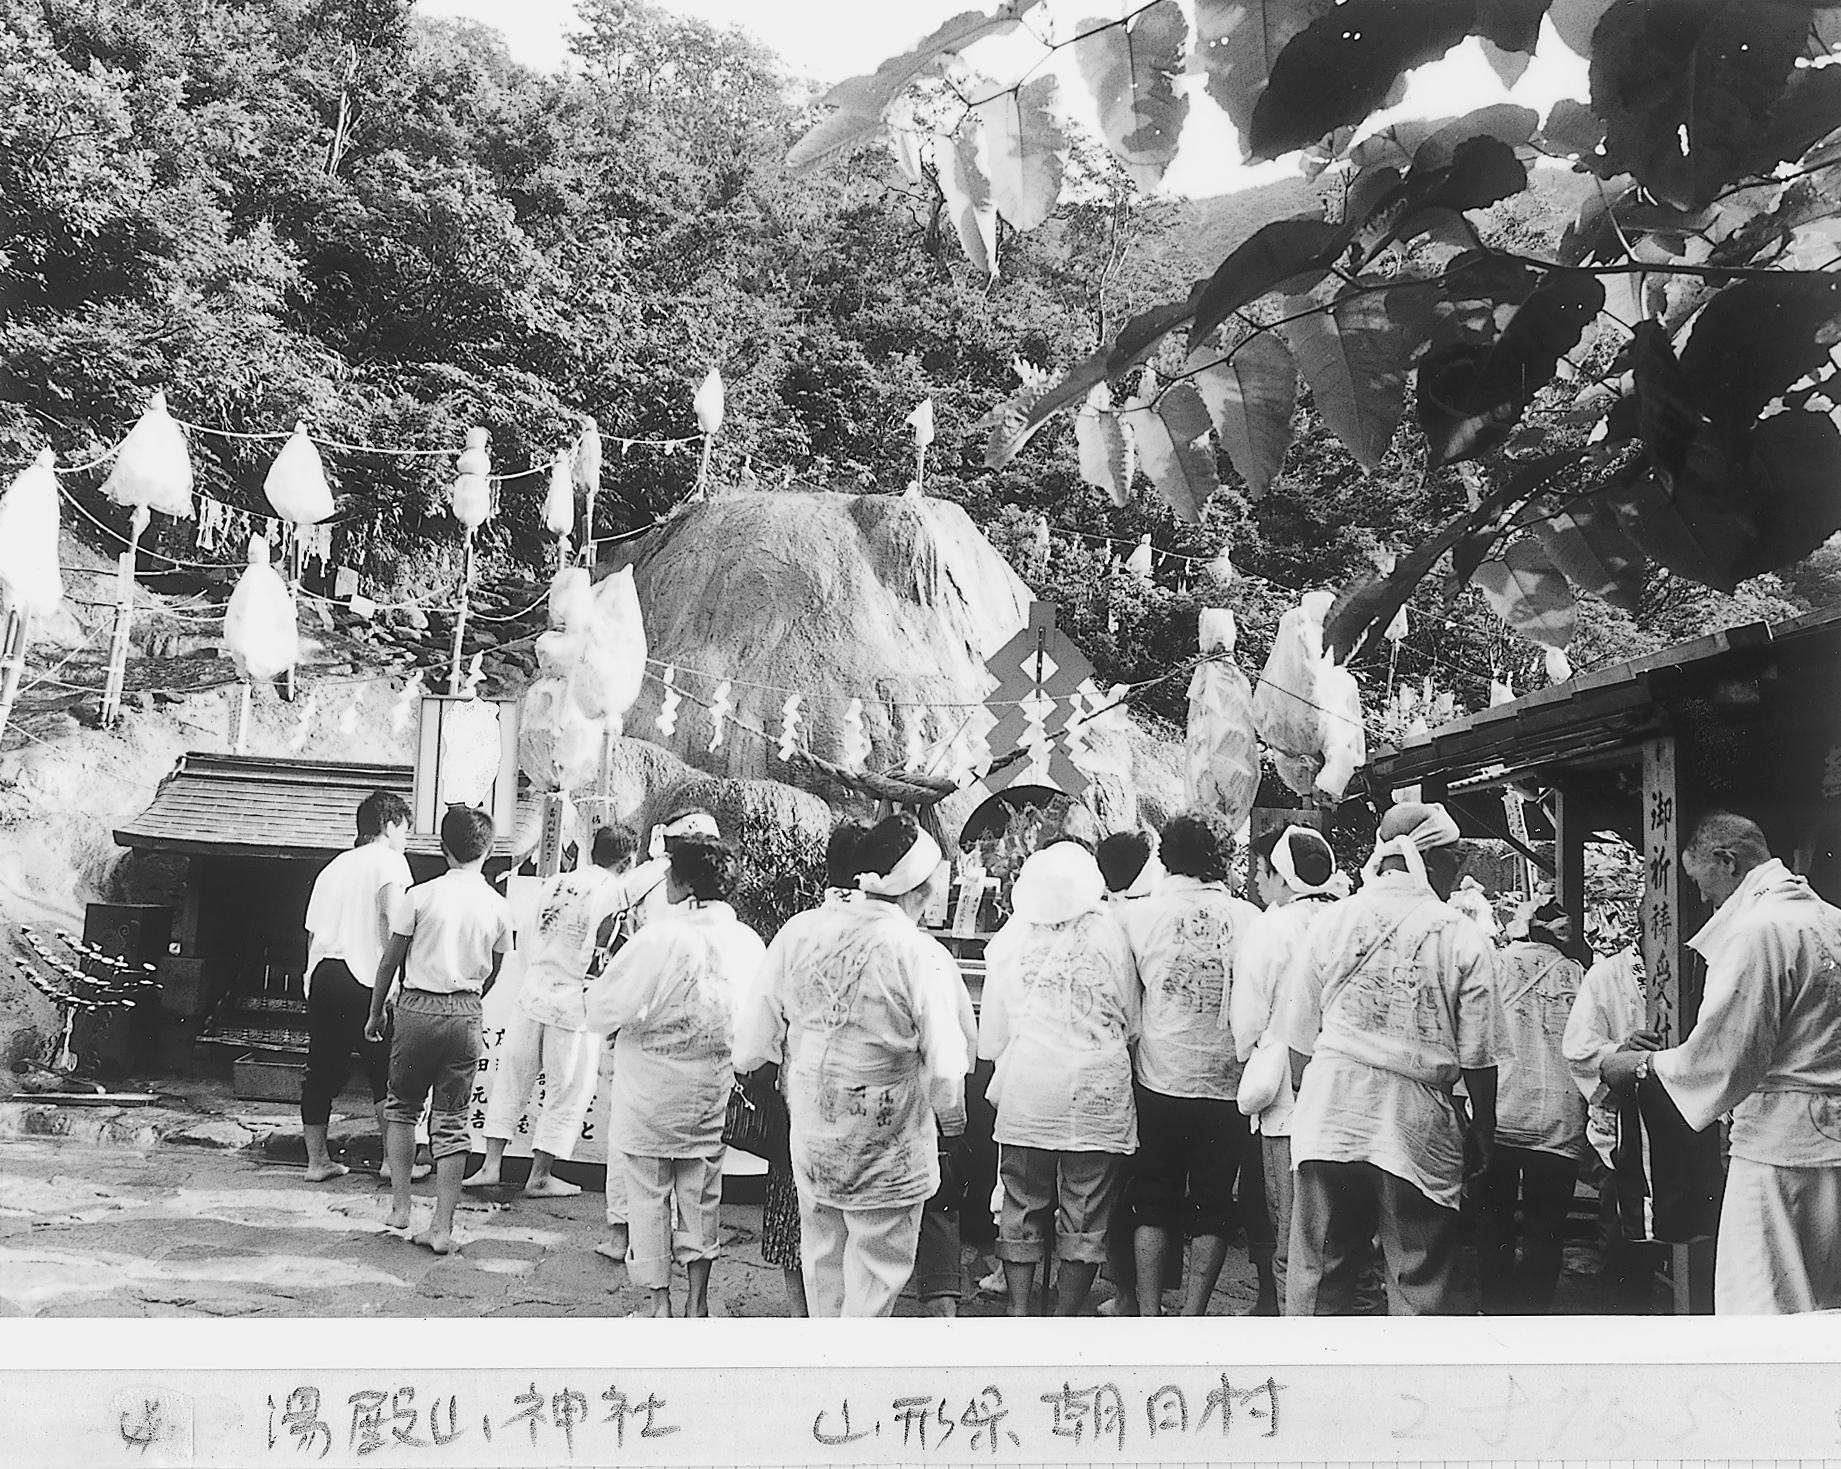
1642	1068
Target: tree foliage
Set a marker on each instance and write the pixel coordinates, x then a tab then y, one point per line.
1649	394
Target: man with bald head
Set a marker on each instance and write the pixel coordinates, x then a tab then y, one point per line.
1397	1003
1766	1048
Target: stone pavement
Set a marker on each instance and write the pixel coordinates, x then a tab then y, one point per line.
212	1230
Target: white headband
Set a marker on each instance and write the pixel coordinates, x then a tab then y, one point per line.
1435	829
917	864
1285	865
693	824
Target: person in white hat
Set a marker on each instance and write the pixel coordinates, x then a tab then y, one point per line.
1399	1003
857	1006
1060	1012
1292	868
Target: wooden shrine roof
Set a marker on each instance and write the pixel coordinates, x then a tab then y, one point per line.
1592	714
255	806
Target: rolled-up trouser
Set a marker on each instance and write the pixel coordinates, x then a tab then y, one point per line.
1072	1195
1335	1210
338	1008
1275	1154
1776	1251
566	1059
652	1186
856	1260
434	1047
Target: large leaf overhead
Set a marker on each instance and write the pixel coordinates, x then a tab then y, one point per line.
1479	172
1793	489
1275	255
1171	433
1753	340
967	193
1526	590
1594	552
1666	419
1024	145
1471	396
1355	357
862	101
1108	458
1131	71
1237	42
1686	88
1342	66
1251	397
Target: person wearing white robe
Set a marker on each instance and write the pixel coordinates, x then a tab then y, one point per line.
1061	1005
1609	1015
1293	868
672	995
1540	1123
549	1034
1766	1048
1399	1003
856	1004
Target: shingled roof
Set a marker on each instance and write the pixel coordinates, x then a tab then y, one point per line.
252	806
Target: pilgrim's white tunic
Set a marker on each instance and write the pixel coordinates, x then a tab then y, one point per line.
1610	1008
1274	959
859	1007
1538	1105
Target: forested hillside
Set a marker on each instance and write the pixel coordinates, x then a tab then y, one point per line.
329	210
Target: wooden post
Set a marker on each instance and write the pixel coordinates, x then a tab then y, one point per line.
124	618
588	530
1569	828
460	616
703	470
920	468
294	558
550	836
12	658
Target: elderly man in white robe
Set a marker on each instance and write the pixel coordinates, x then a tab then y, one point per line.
1766	1048
860	1007
1399	1003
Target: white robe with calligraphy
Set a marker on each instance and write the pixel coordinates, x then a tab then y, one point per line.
1184	938
858	1006
1609	1009
1538	1105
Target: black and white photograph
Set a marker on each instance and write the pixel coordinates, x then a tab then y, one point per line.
792	658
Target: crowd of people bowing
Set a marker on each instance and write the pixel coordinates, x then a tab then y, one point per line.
1340	1072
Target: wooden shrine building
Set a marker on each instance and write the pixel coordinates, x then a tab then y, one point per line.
1748	719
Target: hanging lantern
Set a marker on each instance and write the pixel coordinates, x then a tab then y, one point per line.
153	470
559	503
708	403
1221	765
296	484
259	623
29	539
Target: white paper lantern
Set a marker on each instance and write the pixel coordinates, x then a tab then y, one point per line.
153	470
708	403
29	538
259	623
296	483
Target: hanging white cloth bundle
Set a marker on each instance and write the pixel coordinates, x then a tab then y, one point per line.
259	623
1221	763
29	539
1285	703
153	469
296	484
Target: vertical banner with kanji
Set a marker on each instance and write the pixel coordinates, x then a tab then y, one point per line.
1661	907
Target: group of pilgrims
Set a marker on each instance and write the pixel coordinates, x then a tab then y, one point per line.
1341	1073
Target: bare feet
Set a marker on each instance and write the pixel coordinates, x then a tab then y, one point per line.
441	1242
397	1221
485	1178
417	1171
549	1188
320	1172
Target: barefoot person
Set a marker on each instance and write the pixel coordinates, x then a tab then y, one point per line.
449	939
549	1033
671	996
348	928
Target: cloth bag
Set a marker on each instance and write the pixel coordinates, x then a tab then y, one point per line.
1263	1077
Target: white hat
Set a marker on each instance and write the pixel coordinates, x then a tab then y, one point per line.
1056	884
